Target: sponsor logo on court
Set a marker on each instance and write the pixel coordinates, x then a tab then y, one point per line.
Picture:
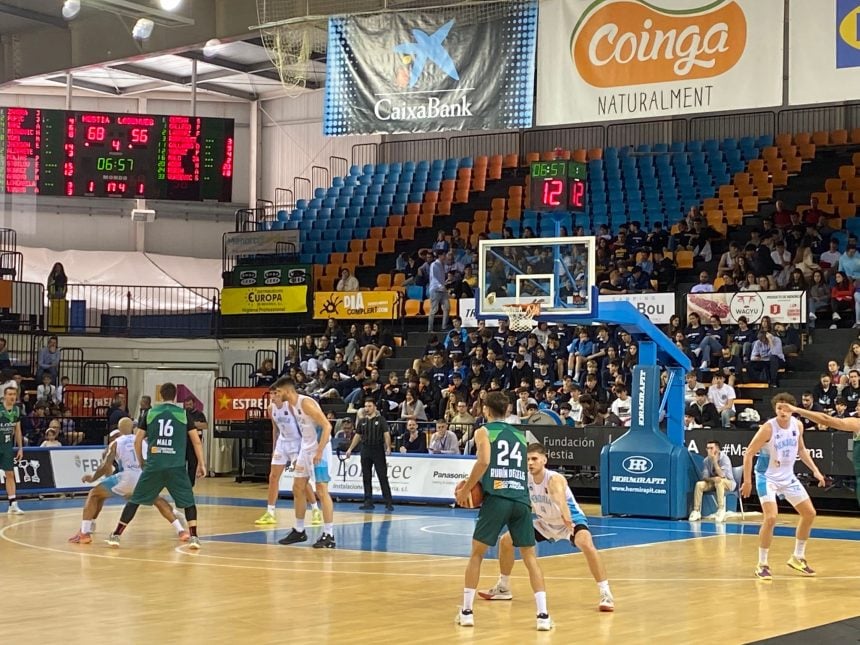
637	465
632	43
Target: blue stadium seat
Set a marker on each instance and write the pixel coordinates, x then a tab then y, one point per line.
677	146
764	141
467	162
360	233
398	208
339	212
283	216
325	246
341	246
291	226
306	258
319	193
337	182
354	171
386	200
415	292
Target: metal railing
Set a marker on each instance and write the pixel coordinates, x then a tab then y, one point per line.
120	310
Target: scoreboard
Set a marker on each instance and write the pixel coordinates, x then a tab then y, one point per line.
557	186
99	154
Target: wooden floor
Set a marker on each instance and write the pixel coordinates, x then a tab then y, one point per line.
154	591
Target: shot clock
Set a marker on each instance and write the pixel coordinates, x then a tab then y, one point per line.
132	156
557	186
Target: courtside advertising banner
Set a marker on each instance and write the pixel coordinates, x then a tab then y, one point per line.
823	51
464	68
601	60
261	243
233	403
358	305
70	464
787	307
412	477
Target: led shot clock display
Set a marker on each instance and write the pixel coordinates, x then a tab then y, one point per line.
95	154
557	186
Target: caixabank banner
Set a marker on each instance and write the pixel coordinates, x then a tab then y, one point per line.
601	60
463	68
823	51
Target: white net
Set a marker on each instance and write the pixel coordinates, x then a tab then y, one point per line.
522	317
295	32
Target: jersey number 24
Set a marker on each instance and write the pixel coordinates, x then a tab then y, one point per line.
507	454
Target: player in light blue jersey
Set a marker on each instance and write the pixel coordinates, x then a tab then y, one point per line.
121	483
778	444
557	517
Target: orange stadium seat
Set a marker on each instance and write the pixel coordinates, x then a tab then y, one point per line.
383	281
387	243
802	138
821	137
413	308
847	172
407	232
831	185
806	151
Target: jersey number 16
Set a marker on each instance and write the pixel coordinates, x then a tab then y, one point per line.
165	428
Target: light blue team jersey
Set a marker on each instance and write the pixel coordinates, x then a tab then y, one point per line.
776	458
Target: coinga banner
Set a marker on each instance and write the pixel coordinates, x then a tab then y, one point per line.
466	68
601	60
787	307
261	243
823	51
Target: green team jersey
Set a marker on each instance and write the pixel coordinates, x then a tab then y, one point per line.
507	474
167	436
8	420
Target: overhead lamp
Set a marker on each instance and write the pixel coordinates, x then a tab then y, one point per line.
170	5
71	8
211	47
143	29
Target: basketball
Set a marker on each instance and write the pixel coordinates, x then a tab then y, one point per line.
476	497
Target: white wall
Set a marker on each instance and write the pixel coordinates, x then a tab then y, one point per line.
293	141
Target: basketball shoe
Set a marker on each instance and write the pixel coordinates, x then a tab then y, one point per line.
544	623
14	509
799	564
316	517
113	540
465	618
607	602
266	519
194	543
81	538
762	572
496	593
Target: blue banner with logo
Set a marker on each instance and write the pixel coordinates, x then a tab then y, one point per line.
455	68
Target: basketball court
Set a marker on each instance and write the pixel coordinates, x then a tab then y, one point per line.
399	576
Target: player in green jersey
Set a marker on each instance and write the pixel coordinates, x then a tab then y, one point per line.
166	429
10	428
501	468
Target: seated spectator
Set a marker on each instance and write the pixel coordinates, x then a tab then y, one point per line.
46	392
729	285
622	406
412	407
789	337
730	366
265	376
830	258
702	412
443	441
605	417
564	411
441	243
5	361
819	297
825	394
723	397
118	410
34	424
691	387
849	263
852	358
347	282
782	215
68	430
717	476
523	400
414	440
841	410
743	339
841	297
58	394
851	391
807	402
701	344
837	376
728	260
51	435
49	360
462	421
766	358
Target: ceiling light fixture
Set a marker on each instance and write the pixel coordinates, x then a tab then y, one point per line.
211	47
142	29
170	5
71	8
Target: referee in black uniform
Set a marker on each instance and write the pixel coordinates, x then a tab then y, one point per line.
372	431
197	420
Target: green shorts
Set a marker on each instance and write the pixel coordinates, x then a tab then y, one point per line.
7	456
152	482
498	512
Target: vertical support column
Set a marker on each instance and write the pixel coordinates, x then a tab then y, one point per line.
253	152
140	204
675	406
648	353
69	88
194	87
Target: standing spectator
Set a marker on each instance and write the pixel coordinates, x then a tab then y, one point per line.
196	420
347	282
5	361
438	292
373	434
49	359
723	397
57	282
414	440
144	406
717	476
443	441
118	410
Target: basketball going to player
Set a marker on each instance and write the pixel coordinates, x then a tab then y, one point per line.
313	460
778	443
286	443
557	517
500	468
122	483
165	434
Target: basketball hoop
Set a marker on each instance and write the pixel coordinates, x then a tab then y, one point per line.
521	317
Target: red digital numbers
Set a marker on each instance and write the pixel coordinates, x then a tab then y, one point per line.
577	194
552	192
139	135
96	133
116	187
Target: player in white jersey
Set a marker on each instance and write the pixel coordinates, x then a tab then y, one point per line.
286	441
558	517
314	459
122	483
780	442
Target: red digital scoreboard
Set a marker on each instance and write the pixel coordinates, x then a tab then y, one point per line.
97	154
558	186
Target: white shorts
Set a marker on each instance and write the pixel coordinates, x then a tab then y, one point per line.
304	465
791	489
122	483
285	452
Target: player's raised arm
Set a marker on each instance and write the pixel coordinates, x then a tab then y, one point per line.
761	437
849	424
106	467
